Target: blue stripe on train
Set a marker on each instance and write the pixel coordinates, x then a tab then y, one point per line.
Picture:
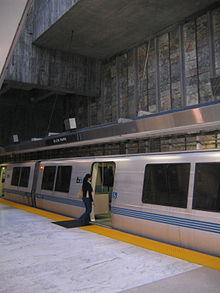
63	200
175	221
19	192
159	218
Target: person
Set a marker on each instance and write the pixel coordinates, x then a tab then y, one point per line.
87	199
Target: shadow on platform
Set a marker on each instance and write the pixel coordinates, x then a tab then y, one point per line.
70	224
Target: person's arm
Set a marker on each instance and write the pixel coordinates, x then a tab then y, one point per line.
84	190
90	192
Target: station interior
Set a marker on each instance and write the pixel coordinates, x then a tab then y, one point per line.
100	83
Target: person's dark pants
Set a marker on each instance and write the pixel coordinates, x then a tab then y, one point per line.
85	218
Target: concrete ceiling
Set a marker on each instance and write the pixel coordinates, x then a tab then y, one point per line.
102	28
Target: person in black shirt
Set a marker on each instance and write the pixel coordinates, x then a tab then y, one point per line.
87	199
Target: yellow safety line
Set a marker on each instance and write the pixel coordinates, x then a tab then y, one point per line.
49	215
175	251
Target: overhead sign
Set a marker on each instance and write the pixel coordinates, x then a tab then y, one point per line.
12	18
61	140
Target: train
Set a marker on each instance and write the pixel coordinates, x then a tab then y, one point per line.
172	197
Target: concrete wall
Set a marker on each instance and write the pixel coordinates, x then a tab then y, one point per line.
171	71
44	68
48	12
32	69
20	116
87	111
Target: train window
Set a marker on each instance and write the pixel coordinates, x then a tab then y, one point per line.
25	173
166	184
15	176
20	176
63	178
48	177
207	187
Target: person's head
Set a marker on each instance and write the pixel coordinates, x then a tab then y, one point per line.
87	178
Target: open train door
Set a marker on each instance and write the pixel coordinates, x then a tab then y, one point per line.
2	179
102	183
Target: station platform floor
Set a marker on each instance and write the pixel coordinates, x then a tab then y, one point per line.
37	256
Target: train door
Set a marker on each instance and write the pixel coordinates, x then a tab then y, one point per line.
102	183
34	183
2	179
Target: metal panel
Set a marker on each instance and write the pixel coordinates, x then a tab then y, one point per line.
180	121
191	119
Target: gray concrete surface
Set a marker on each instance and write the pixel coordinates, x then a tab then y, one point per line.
102	28
201	280
37	256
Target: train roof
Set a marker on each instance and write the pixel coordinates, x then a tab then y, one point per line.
111	157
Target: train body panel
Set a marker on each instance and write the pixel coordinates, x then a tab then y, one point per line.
19	182
58	201
186	231
170	197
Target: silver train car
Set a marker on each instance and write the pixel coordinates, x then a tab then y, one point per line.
170	197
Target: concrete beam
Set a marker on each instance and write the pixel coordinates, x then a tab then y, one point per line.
102	28
54	90
4	90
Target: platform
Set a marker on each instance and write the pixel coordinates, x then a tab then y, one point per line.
38	256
